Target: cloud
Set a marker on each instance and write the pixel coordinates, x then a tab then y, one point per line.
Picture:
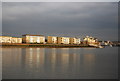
60	0
71	19
0	19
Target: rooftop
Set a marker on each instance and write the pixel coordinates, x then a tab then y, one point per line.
32	35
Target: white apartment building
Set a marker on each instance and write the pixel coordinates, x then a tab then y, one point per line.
27	38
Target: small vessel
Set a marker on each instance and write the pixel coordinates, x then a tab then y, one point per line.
111	45
98	46
101	47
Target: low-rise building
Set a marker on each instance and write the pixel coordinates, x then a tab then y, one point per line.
19	40
78	41
14	40
63	40
74	40
52	40
5	39
27	38
90	39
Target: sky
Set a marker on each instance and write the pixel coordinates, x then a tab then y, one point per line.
73	19
0	18
60	0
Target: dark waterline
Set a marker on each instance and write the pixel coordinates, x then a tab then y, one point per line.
60	63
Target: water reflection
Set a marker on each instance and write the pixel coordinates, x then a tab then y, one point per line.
10	58
0	62
53	58
64	58
31	58
50	63
23	58
89	62
34	59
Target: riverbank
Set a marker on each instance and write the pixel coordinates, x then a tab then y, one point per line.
48	45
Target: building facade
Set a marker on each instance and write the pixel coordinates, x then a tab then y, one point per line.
33	38
7	39
63	40
78	41
19	40
14	40
74	40
90	39
52	40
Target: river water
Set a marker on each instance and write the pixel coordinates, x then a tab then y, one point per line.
60	63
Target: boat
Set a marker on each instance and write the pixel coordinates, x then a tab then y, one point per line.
101	47
95	45
111	45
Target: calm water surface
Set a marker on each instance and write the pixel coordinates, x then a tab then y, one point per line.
60	63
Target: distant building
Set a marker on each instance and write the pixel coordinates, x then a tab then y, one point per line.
16	40
78	41
90	39
19	40
74	40
52	40
33	38
63	40
7	39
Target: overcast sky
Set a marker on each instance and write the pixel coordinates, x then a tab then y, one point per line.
61	19
60	0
